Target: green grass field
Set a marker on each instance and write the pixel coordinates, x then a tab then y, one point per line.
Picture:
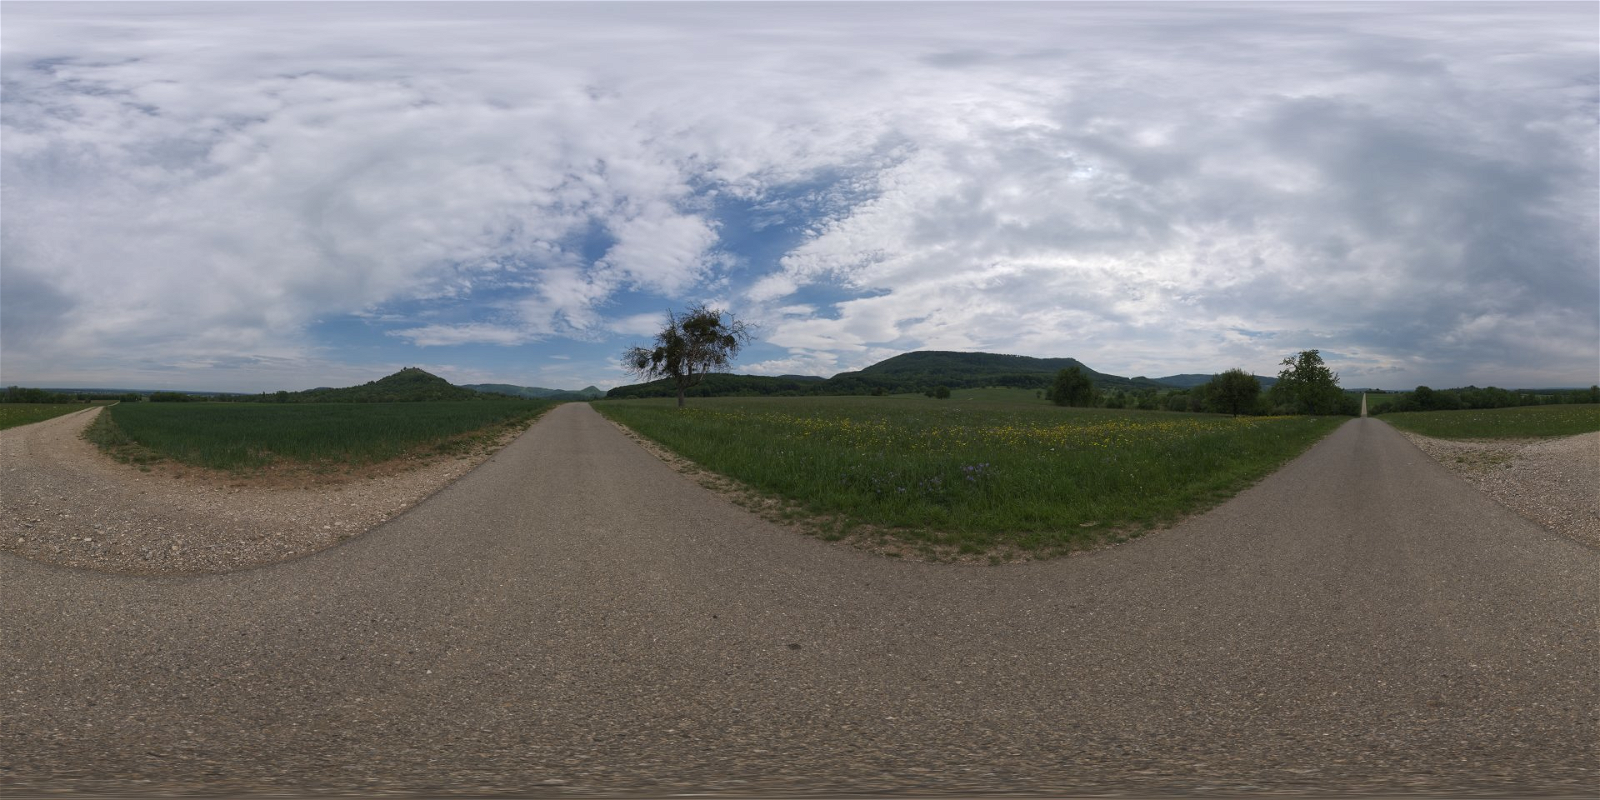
14	414
996	394
1500	423
976	474
245	436
1380	401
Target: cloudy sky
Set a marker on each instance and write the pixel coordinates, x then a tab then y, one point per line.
248	197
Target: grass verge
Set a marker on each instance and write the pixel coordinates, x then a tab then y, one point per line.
14	414
241	437
1525	422
975	476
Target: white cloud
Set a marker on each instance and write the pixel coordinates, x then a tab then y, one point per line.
647	324
1412	185
470	333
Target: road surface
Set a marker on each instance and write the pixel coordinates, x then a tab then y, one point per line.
575	617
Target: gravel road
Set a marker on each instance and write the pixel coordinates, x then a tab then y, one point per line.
576	618
63	502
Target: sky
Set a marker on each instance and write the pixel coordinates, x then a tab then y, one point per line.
252	197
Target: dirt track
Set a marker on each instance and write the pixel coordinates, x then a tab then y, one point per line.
576	617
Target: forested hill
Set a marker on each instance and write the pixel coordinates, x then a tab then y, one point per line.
912	372
925	369
537	392
406	386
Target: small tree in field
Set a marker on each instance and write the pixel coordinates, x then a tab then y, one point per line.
1072	388
1308	385
1234	390
696	342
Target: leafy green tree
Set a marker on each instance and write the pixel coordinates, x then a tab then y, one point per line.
692	344
1307	386
1234	391
941	392
1072	388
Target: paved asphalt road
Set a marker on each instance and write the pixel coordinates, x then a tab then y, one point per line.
575	617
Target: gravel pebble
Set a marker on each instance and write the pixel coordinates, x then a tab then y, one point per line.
1554	482
64	502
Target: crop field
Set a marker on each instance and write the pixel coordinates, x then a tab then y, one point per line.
14	414
1500	423
979	474
244	436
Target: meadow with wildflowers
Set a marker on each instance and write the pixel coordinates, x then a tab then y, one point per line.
977	474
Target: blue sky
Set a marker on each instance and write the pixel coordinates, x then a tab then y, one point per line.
248	197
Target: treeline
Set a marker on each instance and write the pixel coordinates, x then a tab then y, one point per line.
1220	396
1305	386
719	384
1423	398
18	394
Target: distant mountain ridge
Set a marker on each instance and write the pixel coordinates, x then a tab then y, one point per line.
917	371
1189	380
536	392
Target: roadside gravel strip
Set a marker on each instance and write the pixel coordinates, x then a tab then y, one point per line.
64	502
575	618
1554	482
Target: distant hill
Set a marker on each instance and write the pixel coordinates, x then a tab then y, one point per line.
409	385
1192	379
536	392
926	369
918	371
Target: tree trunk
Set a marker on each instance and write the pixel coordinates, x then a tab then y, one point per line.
680	397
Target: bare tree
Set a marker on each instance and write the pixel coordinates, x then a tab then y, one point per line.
696	342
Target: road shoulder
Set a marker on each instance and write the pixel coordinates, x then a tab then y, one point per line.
1552	482
65	503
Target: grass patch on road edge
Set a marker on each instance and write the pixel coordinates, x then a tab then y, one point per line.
15	414
974	478
1524	422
